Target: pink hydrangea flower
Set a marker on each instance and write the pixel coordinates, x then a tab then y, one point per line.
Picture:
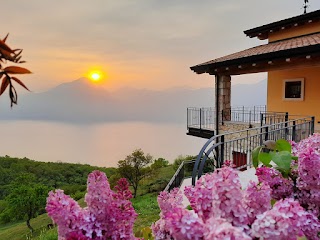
108	215
219	228
257	199
282	222
281	187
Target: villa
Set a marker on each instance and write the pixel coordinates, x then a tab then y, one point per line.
291	59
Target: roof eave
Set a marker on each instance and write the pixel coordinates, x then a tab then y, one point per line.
263	31
283	54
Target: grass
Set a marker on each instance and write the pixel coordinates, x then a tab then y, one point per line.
19	230
147	208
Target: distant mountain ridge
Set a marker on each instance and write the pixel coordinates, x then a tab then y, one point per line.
85	103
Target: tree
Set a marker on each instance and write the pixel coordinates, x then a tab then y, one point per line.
12	55
159	163
135	167
26	200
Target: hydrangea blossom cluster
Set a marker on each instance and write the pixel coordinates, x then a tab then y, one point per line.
167	201
308	181
108	215
221	210
281	187
303	182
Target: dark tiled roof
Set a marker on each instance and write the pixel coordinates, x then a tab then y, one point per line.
282	48
263	31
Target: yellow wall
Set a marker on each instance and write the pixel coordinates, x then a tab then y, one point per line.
295	31
311	103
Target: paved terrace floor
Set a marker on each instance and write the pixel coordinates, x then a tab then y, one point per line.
244	176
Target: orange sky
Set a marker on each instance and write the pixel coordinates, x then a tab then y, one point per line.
137	43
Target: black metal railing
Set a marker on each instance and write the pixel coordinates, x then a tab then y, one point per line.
204	118
237	146
200	118
184	171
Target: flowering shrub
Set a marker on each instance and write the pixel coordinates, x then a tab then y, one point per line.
302	179
221	210
108	215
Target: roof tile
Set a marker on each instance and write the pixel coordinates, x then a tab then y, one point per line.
292	43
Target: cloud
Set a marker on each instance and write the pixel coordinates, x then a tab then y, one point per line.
140	35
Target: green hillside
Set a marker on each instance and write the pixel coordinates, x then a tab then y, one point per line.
71	178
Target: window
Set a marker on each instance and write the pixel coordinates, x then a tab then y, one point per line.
293	89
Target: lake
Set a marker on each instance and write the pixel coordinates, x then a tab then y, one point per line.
98	145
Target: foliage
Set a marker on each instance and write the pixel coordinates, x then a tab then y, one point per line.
223	211
69	177
135	167
180	159
109	214
159	163
12	55
26	200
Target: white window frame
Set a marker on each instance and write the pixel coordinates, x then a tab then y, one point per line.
284	89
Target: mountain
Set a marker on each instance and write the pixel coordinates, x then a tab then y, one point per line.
82	102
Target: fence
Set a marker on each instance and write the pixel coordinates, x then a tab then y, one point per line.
204	118
237	146
183	171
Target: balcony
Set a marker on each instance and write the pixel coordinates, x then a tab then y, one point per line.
202	122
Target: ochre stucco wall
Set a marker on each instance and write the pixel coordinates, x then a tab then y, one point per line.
295	31
309	106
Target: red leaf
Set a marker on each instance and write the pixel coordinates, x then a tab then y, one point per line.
16	70
4	40
20	82
4	46
4	85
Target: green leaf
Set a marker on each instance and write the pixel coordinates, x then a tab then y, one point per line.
255	156
282	159
283	145
265	158
295	158
273	201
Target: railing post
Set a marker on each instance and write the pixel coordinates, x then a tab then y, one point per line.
243	114
261	124
200	119
250	118
294	131
312	125
222	151
286	118
266	136
254	113
261	119
187	118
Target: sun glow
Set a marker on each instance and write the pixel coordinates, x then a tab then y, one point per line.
95	76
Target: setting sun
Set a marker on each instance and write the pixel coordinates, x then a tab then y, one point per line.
95	76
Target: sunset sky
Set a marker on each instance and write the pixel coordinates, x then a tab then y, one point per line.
137	43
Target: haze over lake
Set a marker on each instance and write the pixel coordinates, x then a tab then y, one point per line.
79	123
98	145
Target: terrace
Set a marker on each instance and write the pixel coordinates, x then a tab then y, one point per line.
237	146
201	122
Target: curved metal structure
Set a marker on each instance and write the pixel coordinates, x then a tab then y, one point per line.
204	155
